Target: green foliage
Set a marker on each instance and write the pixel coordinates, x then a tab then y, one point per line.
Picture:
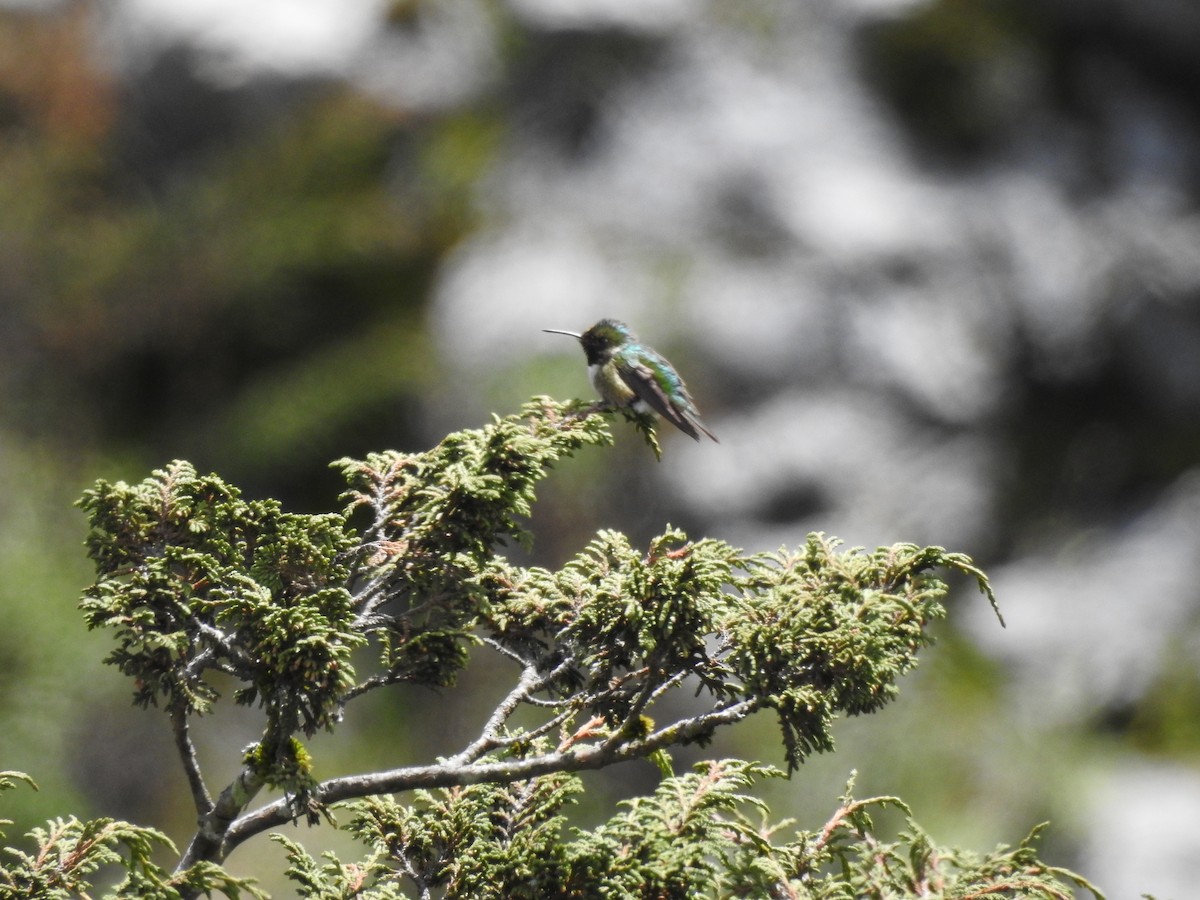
644	425
675	843
808	634
622	653
471	489
8	781
70	853
846	859
367	880
194	579
699	835
817	632
485	841
435	520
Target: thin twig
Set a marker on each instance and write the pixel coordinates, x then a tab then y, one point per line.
187	756
535	733
530	683
505	650
375	681
673	682
552	703
226	645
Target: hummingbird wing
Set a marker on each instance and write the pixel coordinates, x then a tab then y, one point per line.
656	382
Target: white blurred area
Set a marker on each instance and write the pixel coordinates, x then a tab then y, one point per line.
857	323
298	37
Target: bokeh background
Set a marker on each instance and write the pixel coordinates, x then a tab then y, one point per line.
931	268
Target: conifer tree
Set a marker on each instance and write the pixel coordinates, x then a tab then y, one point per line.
402	586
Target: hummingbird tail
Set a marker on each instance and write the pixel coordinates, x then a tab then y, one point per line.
700	425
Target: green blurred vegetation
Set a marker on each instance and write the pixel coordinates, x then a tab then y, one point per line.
266	288
254	300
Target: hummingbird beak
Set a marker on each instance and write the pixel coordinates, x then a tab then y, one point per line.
578	337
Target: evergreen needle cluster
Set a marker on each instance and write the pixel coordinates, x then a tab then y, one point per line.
622	653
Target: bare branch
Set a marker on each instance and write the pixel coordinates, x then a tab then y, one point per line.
418	879
187	756
552	703
545	728
673	682
577	759
530	683
505	650
221	641
369	596
379	680
202	661
215	826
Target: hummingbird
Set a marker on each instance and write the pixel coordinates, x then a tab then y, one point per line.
625	372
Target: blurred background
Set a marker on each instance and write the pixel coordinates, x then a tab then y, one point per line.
931	269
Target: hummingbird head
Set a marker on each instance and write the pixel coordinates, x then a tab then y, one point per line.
601	339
